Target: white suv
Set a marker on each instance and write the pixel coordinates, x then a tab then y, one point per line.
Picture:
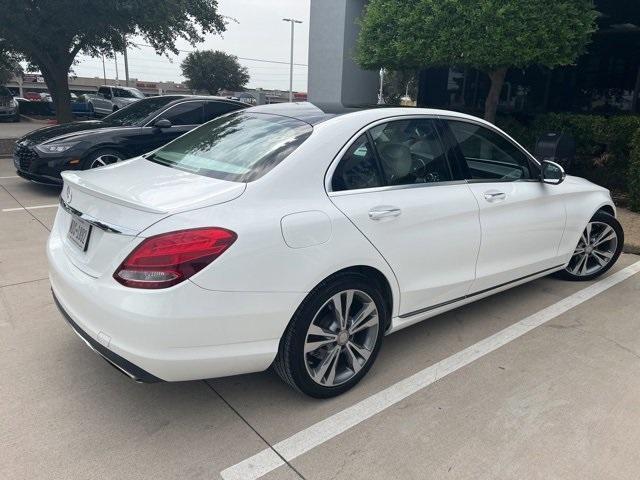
111	98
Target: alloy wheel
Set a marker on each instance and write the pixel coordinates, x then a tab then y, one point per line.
595	250
103	160
341	337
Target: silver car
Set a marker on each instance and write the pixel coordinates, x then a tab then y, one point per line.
111	98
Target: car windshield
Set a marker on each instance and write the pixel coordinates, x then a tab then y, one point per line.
239	147
135	113
5	92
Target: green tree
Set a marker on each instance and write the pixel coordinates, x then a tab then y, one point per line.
9	63
489	35
49	34
214	70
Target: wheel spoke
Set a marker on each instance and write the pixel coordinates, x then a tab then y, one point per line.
313	346
320	372
587	232
353	361
337	310
321	332
372	322
363	352
331	377
361	317
576	268
583	270
578	251
347	305
602	239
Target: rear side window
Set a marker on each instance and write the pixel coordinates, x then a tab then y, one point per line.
188	113
357	168
410	152
215	109
239	147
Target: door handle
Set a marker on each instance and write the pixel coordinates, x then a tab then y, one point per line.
378	213
494	196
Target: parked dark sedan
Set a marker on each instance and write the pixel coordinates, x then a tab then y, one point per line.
139	128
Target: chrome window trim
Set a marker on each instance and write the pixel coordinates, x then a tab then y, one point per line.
104	226
494	129
385	188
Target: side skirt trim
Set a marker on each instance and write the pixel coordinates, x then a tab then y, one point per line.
486	290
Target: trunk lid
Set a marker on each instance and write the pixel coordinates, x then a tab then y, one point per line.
122	200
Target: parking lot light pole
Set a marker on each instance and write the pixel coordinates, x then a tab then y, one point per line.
293	22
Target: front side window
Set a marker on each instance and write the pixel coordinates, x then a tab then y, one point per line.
410	152
489	155
357	168
106	91
239	147
188	113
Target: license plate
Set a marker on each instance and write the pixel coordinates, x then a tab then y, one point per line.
79	233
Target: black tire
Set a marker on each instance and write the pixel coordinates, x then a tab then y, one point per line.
610	220
290	361
90	159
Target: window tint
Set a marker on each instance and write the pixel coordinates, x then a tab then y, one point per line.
240	147
135	113
410	152
489	155
106	91
357	168
215	109
188	113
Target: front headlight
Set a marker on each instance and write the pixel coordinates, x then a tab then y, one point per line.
55	147
13	103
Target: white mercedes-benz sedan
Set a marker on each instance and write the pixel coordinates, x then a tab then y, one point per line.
281	235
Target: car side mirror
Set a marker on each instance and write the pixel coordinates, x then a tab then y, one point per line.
552	173
162	123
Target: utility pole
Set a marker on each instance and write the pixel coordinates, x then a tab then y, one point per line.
126	61
293	21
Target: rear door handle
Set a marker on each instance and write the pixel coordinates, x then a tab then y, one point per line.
494	196
384	211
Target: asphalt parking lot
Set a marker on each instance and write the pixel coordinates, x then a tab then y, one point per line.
541	381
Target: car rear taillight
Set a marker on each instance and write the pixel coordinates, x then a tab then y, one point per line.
170	258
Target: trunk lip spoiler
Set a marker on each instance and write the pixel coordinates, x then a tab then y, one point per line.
107	227
75	180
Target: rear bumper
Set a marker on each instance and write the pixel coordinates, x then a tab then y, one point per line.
180	333
132	371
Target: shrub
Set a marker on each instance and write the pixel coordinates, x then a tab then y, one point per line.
603	145
634	173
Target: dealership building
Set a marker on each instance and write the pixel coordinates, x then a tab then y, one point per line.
605	79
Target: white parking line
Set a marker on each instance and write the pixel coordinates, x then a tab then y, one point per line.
10	176
309	438
35	207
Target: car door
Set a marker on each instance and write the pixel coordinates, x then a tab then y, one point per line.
397	184
102	101
522	218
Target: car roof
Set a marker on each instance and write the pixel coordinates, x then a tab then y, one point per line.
303	111
180	97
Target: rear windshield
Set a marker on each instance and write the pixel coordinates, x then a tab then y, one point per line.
239	147
135	113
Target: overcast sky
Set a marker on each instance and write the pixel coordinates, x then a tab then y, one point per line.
260	34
